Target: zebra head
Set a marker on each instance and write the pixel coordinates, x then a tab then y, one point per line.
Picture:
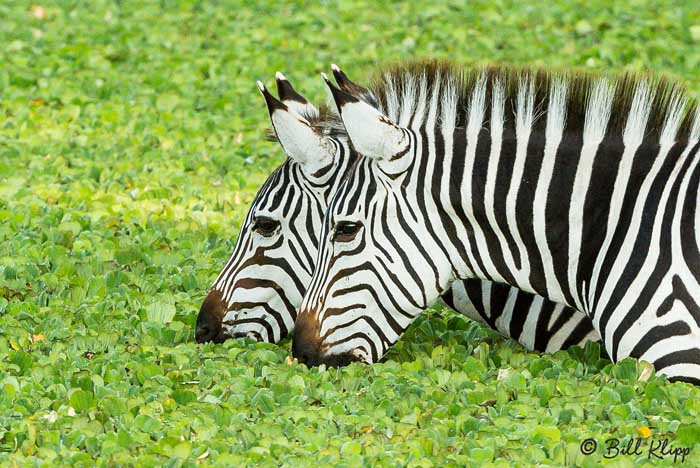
380	261
258	292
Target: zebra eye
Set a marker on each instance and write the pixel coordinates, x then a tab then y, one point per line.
345	231
265	226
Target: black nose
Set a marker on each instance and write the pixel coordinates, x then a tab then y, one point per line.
205	332
211	314
306	343
305	352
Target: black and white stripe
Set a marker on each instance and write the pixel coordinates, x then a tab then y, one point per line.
577	188
258	292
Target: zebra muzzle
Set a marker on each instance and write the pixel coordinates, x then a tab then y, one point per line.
211	314
308	347
306	344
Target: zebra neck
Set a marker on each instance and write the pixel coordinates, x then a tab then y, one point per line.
558	218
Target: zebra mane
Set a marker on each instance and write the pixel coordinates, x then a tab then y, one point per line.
410	93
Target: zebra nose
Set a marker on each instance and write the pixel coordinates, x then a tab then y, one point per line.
205	332
210	317
305	352
307	340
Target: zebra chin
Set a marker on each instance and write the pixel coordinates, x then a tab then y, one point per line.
247	329
313	359
251	335
308	347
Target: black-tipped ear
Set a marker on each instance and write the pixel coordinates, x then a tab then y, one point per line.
344	82
272	102
286	91
372	133
340	97
293	100
353	88
299	139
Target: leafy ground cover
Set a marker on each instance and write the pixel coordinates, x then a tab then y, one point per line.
131	142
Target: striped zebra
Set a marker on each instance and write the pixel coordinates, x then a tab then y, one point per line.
260	289
578	188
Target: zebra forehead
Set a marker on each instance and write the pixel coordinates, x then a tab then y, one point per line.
282	184
407	92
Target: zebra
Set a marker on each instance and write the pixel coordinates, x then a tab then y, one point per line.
259	290
576	187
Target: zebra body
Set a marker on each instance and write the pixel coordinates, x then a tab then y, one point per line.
258	292
579	189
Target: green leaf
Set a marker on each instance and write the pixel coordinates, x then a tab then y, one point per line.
81	400
583	27
550	432
688	435
350	448
167	102
23	360
184	397
481	455
182	450
147	424
694	31
160	312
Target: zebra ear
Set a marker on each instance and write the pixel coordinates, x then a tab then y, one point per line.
372	133
292	99
299	139
353	88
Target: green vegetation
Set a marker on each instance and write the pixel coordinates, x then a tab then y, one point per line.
131	143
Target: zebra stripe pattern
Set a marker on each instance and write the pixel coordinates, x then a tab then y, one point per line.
259	291
577	188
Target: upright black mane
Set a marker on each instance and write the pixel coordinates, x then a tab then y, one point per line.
391	82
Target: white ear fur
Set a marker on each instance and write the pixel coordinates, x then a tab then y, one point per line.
372	133
298	138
